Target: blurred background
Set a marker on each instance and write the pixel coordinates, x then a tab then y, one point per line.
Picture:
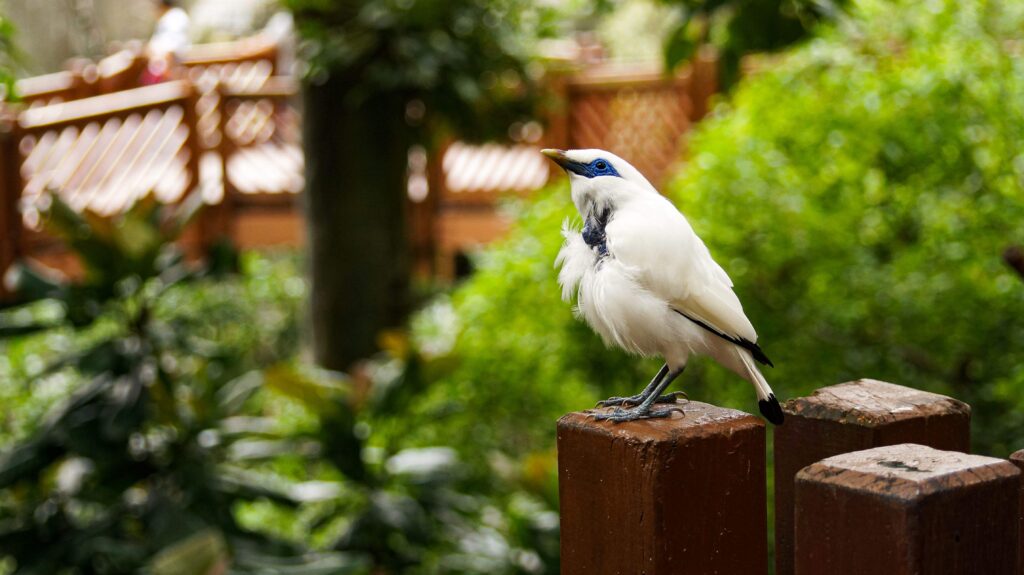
278	290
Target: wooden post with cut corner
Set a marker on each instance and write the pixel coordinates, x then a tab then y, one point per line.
681	495
1017	458
850	417
905	510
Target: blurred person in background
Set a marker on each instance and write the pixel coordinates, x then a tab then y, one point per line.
169	41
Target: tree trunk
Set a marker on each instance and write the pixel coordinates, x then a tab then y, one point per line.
355	199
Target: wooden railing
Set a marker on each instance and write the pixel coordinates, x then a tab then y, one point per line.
262	165
83	78
93	135
105	152
100	154
640	114
870	478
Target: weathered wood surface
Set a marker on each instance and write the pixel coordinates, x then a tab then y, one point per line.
849	417
1017	458
683	495
907	509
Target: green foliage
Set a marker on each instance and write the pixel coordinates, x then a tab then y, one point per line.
740	27
460	62
503	357
861	195
140	465
178	439
8	59
118	254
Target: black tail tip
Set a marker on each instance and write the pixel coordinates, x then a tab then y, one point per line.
771	410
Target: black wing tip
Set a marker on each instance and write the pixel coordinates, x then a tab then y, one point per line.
759	356
753	348
771	410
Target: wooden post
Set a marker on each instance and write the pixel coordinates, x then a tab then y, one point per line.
10	194
704	80
217	218
850	417
682	495
1017	458
907	509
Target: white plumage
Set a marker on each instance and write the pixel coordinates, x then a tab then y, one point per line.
646	282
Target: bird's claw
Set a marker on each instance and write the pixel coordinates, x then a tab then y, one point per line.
620	401
672	397
637	399
620	415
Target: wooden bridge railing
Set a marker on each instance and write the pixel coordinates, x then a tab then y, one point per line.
262	165
104	152
100	154
870	478
83	79
95	136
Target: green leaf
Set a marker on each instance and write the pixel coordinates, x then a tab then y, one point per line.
32	282
204	553
680	44
27	460
181	215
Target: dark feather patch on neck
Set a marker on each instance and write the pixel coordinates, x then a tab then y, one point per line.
594	231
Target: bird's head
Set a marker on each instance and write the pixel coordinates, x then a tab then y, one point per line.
598	178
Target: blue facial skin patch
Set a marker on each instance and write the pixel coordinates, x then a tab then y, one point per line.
599	167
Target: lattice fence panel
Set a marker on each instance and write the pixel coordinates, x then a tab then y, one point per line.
640	123
266	151
243	75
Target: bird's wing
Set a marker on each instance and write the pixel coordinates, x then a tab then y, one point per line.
656	243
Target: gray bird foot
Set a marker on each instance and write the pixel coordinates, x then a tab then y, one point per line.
638	399
620	401
620	415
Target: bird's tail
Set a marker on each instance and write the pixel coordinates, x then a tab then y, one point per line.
766	402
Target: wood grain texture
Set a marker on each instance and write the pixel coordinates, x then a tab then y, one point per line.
849	417
1017	458
683	495
907	509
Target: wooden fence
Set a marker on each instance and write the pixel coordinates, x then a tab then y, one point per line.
870	478
239	142
94	136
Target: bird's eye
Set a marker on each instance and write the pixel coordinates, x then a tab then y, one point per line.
601	165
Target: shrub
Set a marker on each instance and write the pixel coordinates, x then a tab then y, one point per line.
861	195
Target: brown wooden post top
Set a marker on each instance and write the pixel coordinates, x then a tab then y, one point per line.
873	403
681	495
907	509
1017	458
850	417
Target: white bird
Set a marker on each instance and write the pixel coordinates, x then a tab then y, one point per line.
645	282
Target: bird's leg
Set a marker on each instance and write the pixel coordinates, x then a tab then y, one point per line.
638	398
644	411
